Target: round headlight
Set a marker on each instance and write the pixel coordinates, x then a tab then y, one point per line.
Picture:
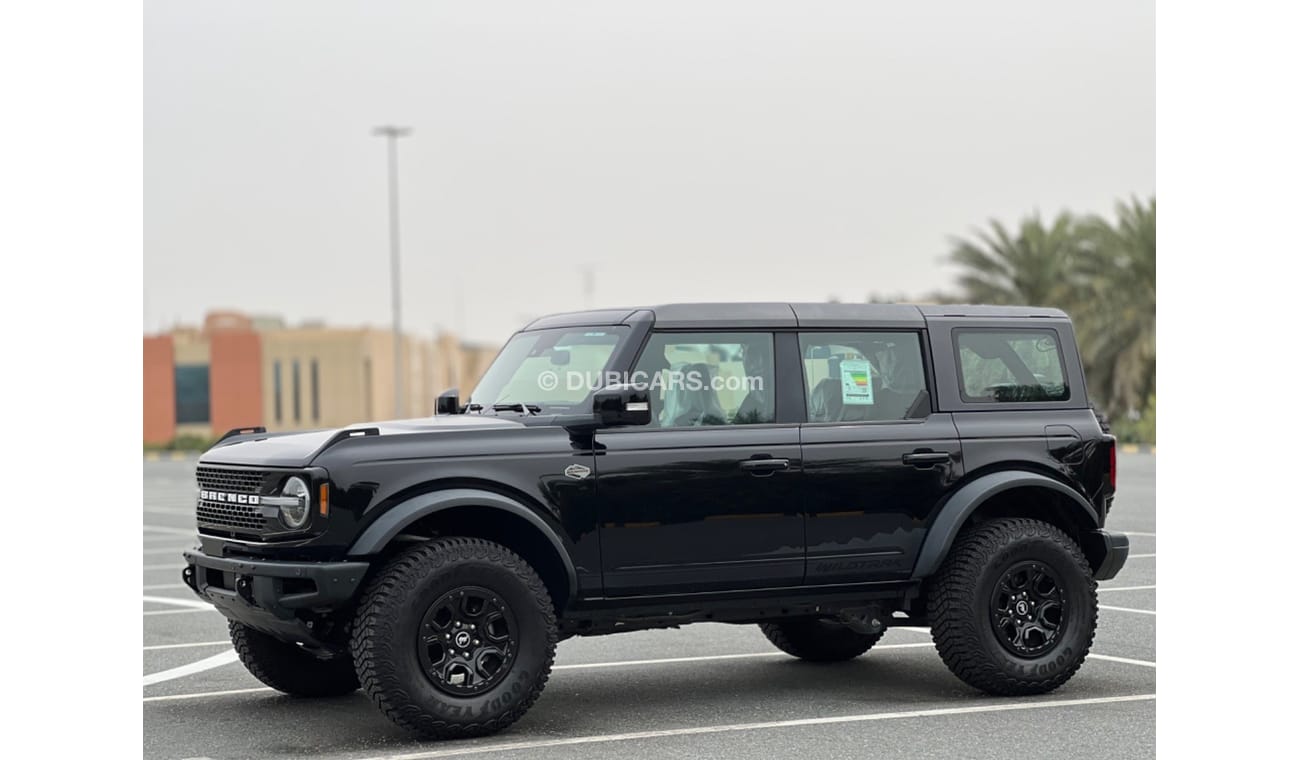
295	515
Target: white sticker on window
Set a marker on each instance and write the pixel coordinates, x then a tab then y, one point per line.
855	382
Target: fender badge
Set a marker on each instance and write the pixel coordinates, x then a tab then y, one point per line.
577	471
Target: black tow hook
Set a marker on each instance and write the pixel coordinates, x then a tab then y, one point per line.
870	619
244	587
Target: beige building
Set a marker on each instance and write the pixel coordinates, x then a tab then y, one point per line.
330	377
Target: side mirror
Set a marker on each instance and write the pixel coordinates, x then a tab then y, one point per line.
622	405
448	402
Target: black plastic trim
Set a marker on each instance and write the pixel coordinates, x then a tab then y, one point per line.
259	600
396	519
969	497
1109	549
241	431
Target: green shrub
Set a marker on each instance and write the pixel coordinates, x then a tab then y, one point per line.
1140	430
183	443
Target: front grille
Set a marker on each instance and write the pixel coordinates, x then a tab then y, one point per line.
231	481
242	519
239	516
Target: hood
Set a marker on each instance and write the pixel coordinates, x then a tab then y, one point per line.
299	449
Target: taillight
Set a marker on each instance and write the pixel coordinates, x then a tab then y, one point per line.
1113	471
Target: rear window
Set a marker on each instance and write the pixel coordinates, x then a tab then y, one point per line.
1019	366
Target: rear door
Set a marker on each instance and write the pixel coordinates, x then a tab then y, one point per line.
877	458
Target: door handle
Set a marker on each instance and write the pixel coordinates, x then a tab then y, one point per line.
926	458
761	467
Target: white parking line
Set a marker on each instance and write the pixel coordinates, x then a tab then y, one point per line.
1125	660
201	694
192	645
1137	533
188	533
1126	609
195	603
580	666
177	612
1142	556
161	586
1126	588
765	725
711	657
207	663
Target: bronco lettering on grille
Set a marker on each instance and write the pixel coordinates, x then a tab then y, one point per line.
229	498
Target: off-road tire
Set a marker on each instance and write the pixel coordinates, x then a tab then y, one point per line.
959	598
818	640
291	669
389	620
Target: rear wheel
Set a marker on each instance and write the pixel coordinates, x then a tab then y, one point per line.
291	669
1013	608
455	638
818	640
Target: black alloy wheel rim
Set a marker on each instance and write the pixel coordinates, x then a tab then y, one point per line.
1028	609
467	641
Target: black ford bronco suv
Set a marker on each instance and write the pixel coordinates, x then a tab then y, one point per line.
824	471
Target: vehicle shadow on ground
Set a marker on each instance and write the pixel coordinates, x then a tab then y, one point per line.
596	701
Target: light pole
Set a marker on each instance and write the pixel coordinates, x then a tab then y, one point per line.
391	133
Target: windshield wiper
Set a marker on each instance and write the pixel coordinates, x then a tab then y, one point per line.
517	407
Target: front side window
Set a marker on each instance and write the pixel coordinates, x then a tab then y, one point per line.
864	376
1011	366
549	371
709	378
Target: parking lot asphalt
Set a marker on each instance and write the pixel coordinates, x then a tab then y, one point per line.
706	690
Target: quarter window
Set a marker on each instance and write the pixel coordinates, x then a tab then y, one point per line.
701	379
864	376
1011	366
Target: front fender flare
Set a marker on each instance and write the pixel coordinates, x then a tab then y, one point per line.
402	515
963	503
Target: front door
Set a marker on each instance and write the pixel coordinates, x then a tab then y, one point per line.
706	497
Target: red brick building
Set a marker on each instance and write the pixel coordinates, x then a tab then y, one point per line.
236	371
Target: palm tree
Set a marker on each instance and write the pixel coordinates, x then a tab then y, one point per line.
1116	320
1035	267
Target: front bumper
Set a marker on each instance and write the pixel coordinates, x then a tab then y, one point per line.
1107	552
278	598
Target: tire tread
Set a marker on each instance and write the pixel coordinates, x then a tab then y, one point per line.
375	622
951	600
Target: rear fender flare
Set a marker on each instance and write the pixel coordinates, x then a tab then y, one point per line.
968	498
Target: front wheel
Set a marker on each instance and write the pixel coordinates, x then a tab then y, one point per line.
454	638
1013	608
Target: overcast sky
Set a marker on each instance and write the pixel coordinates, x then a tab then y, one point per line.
680	150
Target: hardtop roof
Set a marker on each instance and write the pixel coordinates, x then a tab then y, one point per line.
750	315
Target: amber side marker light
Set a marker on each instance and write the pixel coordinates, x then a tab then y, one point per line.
324	500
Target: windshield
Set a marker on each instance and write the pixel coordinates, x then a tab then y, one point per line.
550	370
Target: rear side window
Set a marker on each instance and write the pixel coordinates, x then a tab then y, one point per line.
864	376
1011	366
